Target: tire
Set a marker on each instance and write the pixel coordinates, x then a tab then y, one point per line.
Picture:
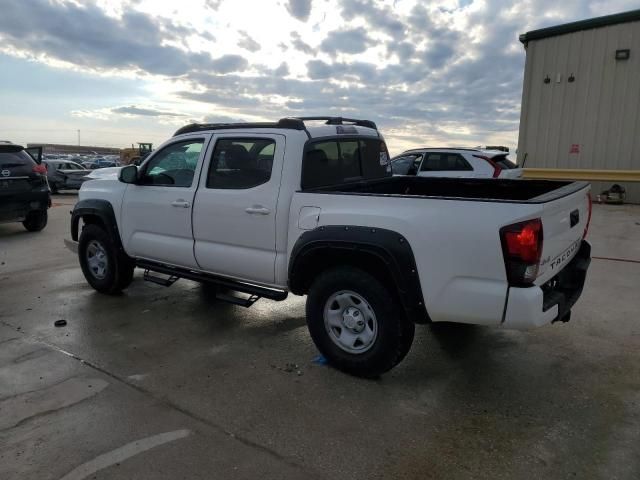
54	188
36	220
383	341
106	268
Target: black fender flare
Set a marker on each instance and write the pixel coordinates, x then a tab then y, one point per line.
315	248
100	209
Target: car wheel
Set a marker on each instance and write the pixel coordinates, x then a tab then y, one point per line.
357	323
105	267
36	220
53	187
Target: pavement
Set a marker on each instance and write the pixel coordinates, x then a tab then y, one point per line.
167	383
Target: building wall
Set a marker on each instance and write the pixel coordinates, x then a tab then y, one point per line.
593	122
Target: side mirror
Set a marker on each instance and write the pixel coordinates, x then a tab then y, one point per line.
128	174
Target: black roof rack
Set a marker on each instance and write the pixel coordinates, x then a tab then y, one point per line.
342	121
292	123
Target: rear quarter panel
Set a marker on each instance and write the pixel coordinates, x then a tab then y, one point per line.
456	245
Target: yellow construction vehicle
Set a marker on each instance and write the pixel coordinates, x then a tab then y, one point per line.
134	155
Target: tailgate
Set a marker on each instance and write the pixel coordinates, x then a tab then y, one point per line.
563	223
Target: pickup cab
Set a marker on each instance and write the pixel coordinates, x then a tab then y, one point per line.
309	206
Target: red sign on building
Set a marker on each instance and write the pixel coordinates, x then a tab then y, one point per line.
575	148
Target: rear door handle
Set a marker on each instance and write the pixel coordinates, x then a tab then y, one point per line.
257	210
180	204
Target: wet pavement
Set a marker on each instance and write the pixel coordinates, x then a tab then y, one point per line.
169	383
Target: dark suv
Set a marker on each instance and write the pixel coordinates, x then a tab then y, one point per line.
24	192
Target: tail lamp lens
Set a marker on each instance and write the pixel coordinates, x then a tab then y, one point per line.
41	169
522	248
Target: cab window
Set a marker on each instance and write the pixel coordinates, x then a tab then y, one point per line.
341	161
174	165
241	163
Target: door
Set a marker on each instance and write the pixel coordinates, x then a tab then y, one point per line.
72	174
156	212
445	164
235	208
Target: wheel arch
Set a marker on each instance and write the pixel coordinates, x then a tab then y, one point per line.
383	253
95	212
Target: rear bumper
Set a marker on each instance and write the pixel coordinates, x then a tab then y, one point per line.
15	207
536	306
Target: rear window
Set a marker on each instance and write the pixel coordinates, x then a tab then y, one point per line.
337	161
504	162
13	159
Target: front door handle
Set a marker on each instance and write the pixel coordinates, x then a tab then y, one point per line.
257	210
180	204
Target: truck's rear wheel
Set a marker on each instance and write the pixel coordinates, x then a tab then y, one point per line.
356	323
106	268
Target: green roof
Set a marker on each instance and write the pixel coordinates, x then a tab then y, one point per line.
624	17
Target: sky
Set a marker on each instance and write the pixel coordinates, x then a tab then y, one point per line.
429	73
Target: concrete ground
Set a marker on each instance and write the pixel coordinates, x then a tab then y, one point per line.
167	383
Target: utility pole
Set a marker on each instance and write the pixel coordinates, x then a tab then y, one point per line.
78	137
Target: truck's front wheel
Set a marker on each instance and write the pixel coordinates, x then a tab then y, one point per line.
105	268
356	323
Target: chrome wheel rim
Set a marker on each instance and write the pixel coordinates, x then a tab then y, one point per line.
350	322
97	259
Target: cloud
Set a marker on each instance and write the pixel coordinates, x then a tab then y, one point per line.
248	43
300	45
229	63
282	70
354	40
379	18
86	36
145	112
300	9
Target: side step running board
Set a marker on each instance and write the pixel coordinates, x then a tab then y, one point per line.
243	302
174	273
165	282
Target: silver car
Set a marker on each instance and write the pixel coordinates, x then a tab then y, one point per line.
65	175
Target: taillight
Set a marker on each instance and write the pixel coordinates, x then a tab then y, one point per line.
586	228
496	168
41	169
522	248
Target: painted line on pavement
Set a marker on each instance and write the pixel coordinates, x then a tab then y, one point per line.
121	454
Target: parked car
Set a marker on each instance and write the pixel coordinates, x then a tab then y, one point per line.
266	209
102	163
455	162
24	194
65	175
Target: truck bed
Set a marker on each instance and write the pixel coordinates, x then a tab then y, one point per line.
487	190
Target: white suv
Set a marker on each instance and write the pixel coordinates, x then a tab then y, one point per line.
455	162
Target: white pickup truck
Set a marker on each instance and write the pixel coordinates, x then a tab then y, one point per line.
308	206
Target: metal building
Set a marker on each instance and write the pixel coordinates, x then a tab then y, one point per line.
581	99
